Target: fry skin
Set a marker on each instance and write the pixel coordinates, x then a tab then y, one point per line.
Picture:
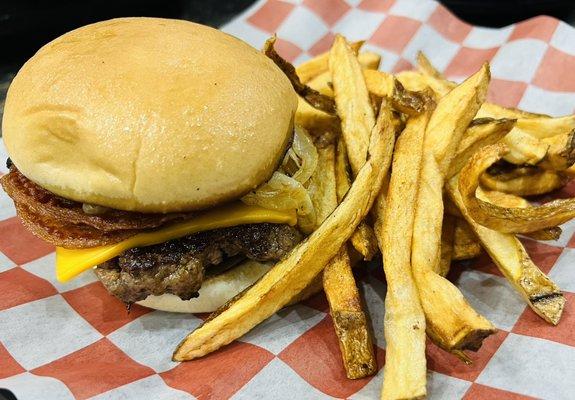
349	319
405	366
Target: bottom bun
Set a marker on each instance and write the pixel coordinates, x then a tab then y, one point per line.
215	290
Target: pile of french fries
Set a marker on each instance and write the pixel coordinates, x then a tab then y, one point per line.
427	172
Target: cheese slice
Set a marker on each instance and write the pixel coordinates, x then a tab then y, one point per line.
72	262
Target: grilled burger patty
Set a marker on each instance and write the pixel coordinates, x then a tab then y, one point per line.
179	266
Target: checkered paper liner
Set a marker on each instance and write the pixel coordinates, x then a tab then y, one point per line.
66	341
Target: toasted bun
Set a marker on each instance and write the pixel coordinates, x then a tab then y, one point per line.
149	115
215	291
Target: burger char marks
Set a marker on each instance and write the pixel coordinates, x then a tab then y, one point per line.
179	266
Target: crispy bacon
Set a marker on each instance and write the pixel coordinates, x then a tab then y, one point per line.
63	222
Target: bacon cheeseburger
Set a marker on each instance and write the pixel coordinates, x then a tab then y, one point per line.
161	154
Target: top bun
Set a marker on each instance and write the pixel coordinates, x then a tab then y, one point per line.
149	115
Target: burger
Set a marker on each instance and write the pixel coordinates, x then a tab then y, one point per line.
162	155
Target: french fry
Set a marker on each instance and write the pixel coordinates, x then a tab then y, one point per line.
304	262
442	86
315	121
480	133
540	293
534	183
451	322
348	317
404	324
447	244
363	239
322	83
352	100
313	97
524	148
504	219
308	70
545	127
465	242
561	153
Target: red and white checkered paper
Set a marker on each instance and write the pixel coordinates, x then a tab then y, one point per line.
65	341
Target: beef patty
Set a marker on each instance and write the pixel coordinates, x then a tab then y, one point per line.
179	266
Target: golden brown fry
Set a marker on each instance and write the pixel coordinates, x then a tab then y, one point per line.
379	83
452	116
533	183
425	67
542	295
409	102
442	86
512	201
315	121
339	284
503	219
349	319
352	99
524	148
416	81
465	244
479	133
405	366
447	244
545	127
298	269
451	322
553	233
363	239
313	97
308	70
561	153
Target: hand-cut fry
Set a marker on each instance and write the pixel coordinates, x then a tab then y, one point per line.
426	67
405	365
352	99
553	233
339	284
309	69
451	322
561	153
447	244
416	81
442	86
542	295
524	148
315	121
544	127
379	83
479	133
363	239
452	116
298	269
531	184
349	319
503	219
409	102
322	83
313	97
465	242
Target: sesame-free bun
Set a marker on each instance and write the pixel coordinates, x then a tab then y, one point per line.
215	290
149	115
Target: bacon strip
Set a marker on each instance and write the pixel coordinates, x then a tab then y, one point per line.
62	222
